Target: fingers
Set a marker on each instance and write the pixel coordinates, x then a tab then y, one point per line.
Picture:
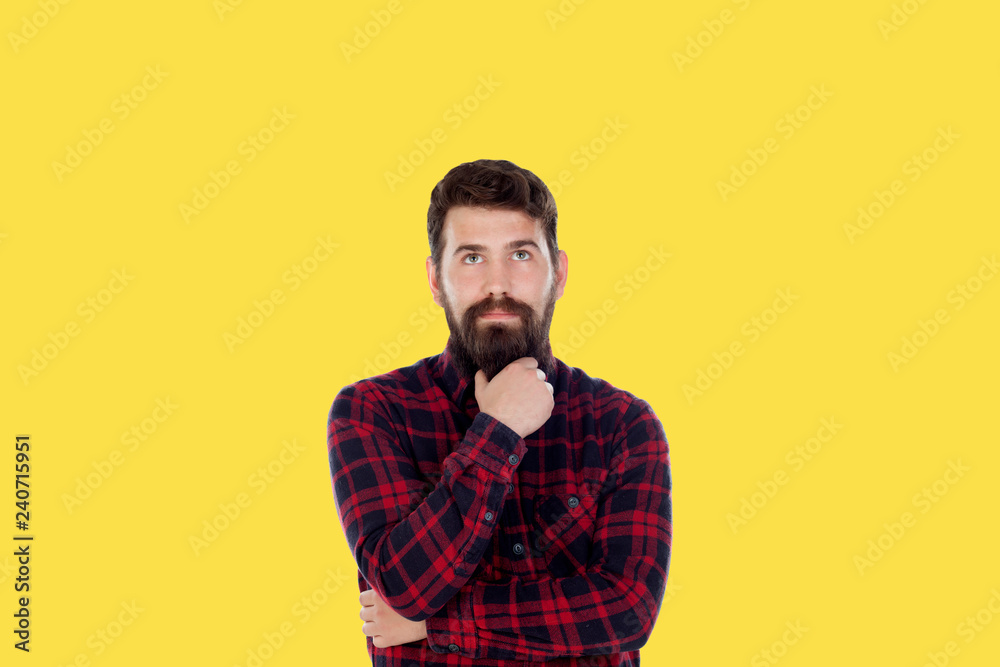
541	376
530	362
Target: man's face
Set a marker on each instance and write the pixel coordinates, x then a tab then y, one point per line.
498	286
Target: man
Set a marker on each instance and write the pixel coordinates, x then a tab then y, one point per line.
503	507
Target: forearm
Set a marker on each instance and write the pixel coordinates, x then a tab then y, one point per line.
590	614
611	603
418	551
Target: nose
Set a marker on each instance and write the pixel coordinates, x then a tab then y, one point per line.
497	279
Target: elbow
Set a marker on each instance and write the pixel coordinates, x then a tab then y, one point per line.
421	615
408	607
637	627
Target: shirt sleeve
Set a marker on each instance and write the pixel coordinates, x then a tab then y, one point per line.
610	607
415	544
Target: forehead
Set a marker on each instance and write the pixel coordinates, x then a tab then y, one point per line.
488	227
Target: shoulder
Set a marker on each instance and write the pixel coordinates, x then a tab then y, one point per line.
603	395
380	392
616	410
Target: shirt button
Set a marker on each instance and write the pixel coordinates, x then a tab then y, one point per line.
510	488
518	549
489	516
453	648
573	501
512	459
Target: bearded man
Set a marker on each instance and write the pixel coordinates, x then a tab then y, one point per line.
503	508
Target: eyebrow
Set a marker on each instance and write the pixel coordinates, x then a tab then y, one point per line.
511	245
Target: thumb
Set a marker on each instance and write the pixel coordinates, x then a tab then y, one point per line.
481	381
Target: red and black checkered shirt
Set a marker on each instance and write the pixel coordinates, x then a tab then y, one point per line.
552	548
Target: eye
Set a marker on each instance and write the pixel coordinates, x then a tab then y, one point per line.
472	259
521	254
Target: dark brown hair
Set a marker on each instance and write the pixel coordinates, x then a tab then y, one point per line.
496	184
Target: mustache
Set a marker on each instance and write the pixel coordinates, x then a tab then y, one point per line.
504	303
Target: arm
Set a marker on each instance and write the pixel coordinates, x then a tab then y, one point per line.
611	606
415	549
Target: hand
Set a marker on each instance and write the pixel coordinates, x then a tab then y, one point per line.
518	396
384	625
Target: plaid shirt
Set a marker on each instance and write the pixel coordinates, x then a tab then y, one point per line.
515	551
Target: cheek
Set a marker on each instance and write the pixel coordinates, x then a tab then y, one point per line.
458	298
534	283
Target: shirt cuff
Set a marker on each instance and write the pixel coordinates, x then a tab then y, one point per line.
452	629
492	444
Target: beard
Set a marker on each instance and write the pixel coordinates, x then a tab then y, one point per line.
491	346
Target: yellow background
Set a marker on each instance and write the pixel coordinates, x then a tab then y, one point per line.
560	74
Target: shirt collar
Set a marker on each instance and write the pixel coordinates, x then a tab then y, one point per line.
457	386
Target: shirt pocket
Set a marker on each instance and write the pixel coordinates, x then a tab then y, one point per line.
562	531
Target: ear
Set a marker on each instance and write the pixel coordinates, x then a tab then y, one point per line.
562	271
432	279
